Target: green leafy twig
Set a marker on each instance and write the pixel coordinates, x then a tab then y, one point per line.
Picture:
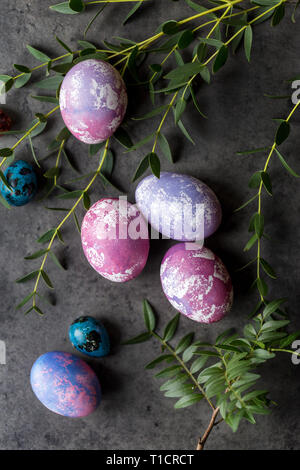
182	77
8	152
181	106
50	237
73	7
228	380
53	173
131	54
262	180
229	383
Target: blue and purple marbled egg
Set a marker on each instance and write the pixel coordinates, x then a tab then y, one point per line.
196	282
179	206
93	100
89	337
115	239
22	179
65	384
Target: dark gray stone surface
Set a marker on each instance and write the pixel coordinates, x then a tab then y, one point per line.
134	413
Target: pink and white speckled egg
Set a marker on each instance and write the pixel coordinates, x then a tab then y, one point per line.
196	282
93	100
115	239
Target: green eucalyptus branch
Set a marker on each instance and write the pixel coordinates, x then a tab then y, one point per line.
182	78
127	51
262	180
127	55
73	7
170	105
289	351
185	369
223	373
228	385
50	236
53	173
40	121
281	135
88	51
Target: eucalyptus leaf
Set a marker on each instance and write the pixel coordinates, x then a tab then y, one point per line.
188	400
149	316
171	328
47	279
138	339
27	277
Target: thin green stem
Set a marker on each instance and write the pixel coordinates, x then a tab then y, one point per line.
284	350
259	207
58	159
64	56
164	61
242	12
44	64
141	44
207	37
229	387
211	10
114	1
217	21
157	36
71	211
29	132
184	367
163	120
33	127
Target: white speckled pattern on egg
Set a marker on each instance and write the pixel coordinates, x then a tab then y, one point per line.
110	242
179	206
196	282
93	100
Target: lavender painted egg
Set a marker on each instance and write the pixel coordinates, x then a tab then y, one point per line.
65	384
93	100
196	282
115	239
179	206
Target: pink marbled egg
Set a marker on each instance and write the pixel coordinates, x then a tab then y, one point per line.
196	282
115	239
93	100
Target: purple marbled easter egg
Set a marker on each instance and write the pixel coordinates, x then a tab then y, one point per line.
65	384
93	100
179	206
115	239
196	282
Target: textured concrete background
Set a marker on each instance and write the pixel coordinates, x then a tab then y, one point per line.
134	413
